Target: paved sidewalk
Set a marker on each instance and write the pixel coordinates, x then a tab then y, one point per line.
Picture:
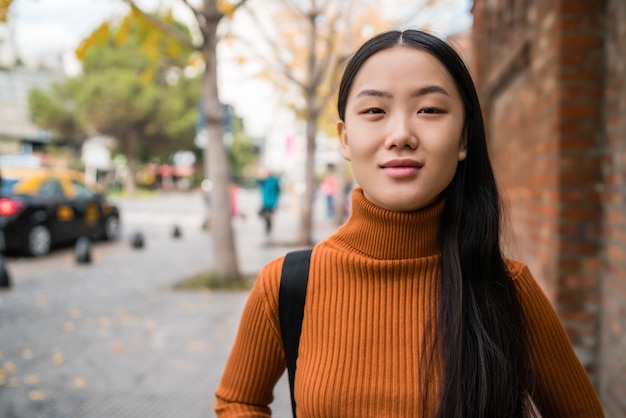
112	339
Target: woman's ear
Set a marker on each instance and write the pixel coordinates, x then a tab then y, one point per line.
343	140
462	152
463	145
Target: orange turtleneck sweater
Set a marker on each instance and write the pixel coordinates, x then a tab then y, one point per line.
372	287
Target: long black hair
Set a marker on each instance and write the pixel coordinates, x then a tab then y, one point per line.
479	337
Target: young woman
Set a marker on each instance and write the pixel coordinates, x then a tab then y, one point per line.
411	308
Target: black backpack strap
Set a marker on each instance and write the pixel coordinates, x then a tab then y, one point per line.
291	296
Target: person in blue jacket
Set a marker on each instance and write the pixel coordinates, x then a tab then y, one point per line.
270	193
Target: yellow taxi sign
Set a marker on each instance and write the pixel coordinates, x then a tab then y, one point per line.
65	213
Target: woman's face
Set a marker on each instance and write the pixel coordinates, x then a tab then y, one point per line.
403	129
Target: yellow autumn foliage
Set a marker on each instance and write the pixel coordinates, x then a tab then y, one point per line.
123	31
97	37
154	42
4	9
226	7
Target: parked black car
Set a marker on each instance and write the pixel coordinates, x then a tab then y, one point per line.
43	207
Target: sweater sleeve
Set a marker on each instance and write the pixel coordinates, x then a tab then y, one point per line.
257	358
563	385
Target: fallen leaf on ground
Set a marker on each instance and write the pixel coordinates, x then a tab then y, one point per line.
36	395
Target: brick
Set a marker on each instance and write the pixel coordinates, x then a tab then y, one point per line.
578	7
579	111
578	42
560	129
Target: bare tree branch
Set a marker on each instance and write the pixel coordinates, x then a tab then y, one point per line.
295	9
170	30
283	66
338	62
319	65
324	64
240	4
195	11
276	66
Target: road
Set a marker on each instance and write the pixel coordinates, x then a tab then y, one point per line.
112	338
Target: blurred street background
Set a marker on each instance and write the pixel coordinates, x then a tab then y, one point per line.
174	112
113	338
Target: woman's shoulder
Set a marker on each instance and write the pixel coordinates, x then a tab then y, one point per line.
267	281
524	281
517	269
267	284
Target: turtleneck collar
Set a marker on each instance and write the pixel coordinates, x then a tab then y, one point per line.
388	235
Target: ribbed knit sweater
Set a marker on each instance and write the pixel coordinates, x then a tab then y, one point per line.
372	288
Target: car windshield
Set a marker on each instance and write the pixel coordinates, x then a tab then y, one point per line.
81	191
7	186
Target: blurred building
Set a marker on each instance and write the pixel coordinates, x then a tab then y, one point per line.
462	43
17	132
552	76
8	56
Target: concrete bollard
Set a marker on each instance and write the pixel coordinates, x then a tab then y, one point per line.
5	279
82	250
137	240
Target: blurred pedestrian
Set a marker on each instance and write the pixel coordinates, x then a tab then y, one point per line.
328	188
233	189
346	202
412	310
269	184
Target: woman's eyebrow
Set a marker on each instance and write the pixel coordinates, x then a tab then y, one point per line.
374	93
422	91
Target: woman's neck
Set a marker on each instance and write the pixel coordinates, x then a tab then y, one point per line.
388	235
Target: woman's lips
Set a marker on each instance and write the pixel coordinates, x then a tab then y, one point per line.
401	168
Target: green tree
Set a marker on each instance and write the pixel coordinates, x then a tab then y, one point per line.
130	88
243	154
181	102
56	111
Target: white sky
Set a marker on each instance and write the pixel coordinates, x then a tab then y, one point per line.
55	26
49	28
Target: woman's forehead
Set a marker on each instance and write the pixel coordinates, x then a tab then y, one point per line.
400	66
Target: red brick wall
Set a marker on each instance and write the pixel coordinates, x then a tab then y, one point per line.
613	197
550	74
580	125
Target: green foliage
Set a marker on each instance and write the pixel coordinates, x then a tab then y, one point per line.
56	111
131	82
131	87
151	41
181	100
242	154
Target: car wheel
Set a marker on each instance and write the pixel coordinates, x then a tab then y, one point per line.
39	241
111	228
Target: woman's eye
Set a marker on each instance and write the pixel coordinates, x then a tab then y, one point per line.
430	110
373	111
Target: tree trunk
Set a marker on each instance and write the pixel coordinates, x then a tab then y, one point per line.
225	263
306	220
131	143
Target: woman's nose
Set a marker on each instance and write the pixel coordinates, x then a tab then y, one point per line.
401	133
